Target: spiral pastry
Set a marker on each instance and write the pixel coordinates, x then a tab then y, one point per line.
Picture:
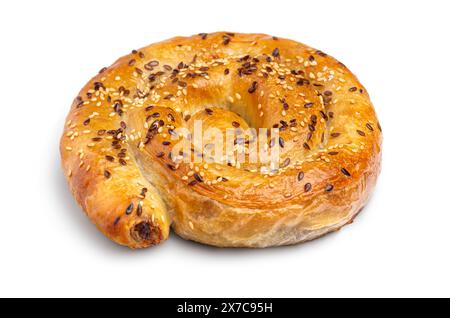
124	143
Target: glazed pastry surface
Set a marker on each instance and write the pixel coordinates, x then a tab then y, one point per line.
120	157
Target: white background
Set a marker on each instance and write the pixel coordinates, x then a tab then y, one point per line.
399	245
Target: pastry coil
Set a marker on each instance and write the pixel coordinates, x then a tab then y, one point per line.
118	141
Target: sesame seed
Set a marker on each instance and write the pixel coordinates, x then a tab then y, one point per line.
198	177
253	87
226	40
286	163
360	132
276	52
171	167
139	209
345	172
129	209
379	126
307	187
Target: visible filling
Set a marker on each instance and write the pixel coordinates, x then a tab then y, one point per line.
145	231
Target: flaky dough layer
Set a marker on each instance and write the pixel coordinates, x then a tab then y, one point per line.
117	139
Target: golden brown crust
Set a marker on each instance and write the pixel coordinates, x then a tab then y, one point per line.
117	139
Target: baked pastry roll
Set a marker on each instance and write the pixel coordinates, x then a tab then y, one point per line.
124	150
